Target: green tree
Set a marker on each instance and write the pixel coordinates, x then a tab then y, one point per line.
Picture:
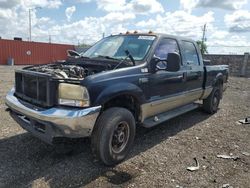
84	45
203	47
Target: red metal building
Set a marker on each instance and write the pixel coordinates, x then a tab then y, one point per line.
28	53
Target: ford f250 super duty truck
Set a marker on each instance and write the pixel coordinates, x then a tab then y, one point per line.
121	82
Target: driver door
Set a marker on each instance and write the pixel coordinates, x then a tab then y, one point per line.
166	88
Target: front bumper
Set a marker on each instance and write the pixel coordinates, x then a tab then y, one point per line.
48	124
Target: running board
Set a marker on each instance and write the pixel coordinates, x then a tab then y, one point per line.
157	119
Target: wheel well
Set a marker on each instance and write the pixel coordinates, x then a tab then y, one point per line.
125	101
219	83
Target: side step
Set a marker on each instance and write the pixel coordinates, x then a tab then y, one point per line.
160	118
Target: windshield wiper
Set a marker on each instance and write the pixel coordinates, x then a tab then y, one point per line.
85	57
123	60
107	57
130	56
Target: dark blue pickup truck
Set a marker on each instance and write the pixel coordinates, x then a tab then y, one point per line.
121	82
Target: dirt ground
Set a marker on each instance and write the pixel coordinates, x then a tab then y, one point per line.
159	158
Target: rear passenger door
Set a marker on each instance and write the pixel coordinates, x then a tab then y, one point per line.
193	67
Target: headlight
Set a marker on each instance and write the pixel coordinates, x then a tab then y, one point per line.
73	95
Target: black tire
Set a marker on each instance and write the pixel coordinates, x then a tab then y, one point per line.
113	135
211	103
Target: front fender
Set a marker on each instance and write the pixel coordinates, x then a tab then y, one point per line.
120	89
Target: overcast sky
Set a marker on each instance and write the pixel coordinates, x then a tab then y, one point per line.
85	21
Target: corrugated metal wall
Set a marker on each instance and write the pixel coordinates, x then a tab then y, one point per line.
27	53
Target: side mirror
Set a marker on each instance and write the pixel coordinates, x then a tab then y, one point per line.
158	64
161	65
72	53
173	62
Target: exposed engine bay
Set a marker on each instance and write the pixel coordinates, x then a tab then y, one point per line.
68	71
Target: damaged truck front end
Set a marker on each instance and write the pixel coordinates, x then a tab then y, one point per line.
42	104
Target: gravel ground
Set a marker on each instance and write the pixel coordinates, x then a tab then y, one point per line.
159	158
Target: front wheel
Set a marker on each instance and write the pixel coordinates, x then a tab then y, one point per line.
211	103
113	135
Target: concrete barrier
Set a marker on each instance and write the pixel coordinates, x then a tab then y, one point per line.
239	65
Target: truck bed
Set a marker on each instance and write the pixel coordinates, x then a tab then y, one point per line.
212	72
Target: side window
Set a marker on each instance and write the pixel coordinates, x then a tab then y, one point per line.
190	55
166	46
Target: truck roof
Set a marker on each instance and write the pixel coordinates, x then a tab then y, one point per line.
160	35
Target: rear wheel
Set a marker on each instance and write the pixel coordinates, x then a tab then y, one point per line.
113	135
211	103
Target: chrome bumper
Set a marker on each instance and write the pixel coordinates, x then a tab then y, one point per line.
54	122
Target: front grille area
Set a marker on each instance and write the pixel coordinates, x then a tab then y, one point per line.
36	88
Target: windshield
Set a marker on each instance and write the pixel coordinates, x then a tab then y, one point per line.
115	47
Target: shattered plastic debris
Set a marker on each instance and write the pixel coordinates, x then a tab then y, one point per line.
194	168
245	121
178	186
226	186
228	157
245	153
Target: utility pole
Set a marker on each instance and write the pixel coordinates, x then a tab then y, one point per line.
203	39
204	34
30	9
30	24
103	35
